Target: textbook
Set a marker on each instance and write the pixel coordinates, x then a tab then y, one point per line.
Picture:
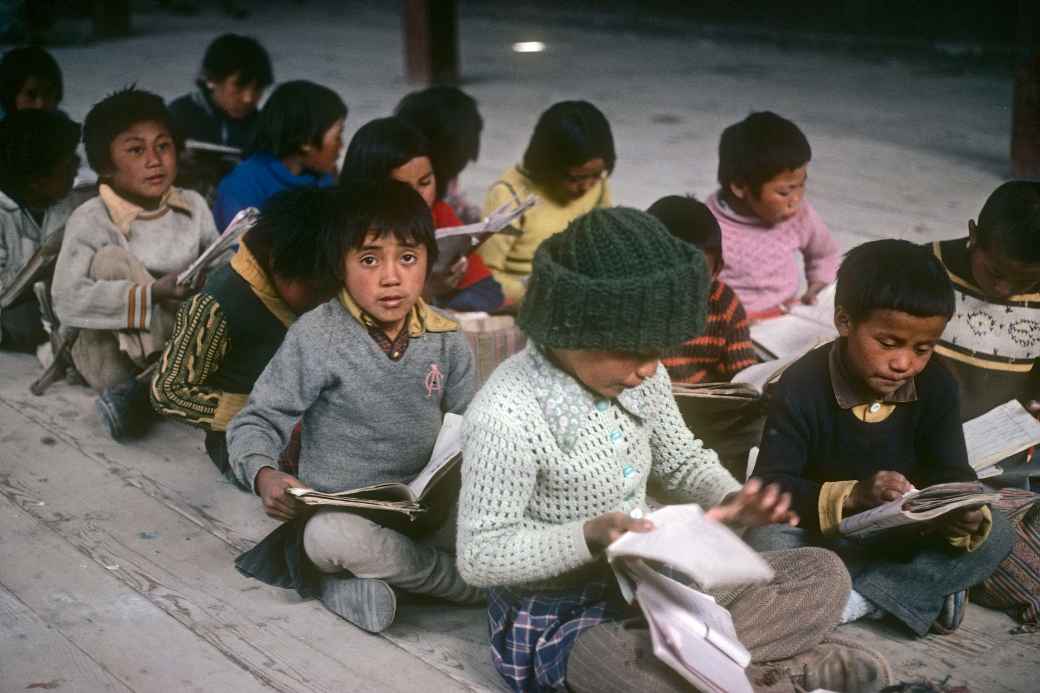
242	222
409	499
917	506
38	266
998	434
454	242
799	329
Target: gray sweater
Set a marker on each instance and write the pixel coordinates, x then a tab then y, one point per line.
366	419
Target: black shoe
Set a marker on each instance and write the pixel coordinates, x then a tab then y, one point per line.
124	409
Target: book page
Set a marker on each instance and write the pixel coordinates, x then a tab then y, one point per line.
821	312
242	222
887	516
447	448
1000	433
790	335
761	374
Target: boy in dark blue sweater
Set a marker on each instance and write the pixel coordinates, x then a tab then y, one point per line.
861	421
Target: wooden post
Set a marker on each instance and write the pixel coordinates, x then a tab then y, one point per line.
1025	110
431	41
111	18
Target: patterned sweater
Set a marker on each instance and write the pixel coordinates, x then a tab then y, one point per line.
722	350
542	455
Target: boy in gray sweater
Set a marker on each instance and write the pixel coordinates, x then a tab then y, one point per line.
371	374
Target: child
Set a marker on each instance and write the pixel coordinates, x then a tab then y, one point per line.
560	447
225	335
38	163
390	148
235	72
297	144
139	227
371	373
29	78
860	422
566	165
724	348
449	119
763	163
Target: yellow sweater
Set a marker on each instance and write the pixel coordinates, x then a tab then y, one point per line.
509	257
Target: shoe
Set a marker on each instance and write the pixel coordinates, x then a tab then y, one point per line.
369	604
124	409
952	613
836	664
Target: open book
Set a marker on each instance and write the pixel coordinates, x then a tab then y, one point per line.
998	434
800	329
917	506
242	222
395	497
454	242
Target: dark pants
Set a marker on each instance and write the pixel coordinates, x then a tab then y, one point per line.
908	578
21	328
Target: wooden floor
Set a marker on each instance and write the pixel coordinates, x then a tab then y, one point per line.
116	574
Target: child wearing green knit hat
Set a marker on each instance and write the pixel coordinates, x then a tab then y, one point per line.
561	445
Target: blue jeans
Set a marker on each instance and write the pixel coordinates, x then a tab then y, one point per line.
908	578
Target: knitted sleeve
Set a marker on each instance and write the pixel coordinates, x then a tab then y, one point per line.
683	469
195	351
820	250
942	453
738	352
499	543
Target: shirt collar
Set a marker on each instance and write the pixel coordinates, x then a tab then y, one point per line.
567	404
124	213
421	319
849	393
260	282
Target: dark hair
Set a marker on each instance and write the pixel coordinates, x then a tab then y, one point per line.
689	220
569	134
449	119
32	143
232	53
118	113
298	113
893	274
379	146
756	149
18	65
384	207
1010	220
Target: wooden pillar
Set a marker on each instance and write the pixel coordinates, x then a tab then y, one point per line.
431	41
111	18
1025	110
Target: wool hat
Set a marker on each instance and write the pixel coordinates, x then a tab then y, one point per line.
615	280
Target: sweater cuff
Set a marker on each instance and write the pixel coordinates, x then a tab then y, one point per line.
830	504
249	467
229	404
974	541
139	307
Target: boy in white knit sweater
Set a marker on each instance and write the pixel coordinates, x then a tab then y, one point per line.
561	446
116	276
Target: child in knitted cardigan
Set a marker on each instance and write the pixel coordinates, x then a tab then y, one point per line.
561	445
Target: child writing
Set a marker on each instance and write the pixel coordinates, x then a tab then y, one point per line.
38	164
566	165
297	143
29	78
561	445
371	374
116	275
226	334
391	148
859	422
765	220
724	347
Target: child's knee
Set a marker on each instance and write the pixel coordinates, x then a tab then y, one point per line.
337	541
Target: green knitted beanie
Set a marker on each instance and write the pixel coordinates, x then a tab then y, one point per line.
615	280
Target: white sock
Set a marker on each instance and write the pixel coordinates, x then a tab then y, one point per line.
859	607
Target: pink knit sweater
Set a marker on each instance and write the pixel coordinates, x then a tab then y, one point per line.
760	263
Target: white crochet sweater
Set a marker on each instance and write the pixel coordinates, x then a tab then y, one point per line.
543	454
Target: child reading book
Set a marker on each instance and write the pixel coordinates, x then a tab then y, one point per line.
566	165
371	374
765	220
116	276
867	418
560	447
226	334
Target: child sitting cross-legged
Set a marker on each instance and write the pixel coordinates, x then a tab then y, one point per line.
116	276
371	373
861	421
765	220
563	443
227	333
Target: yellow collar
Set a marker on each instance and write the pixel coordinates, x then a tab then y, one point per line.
421	319
123	212
247	266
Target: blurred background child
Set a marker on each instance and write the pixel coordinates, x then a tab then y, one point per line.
29	78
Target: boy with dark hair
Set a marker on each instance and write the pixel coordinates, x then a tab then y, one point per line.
29	78
724	347
371	374
223	109
763	163
864	420
226	334
116	276
38	164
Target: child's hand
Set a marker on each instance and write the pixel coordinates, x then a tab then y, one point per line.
166	288
963	522
602	531
878	489
809	297
272	486
1034	408
755	506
